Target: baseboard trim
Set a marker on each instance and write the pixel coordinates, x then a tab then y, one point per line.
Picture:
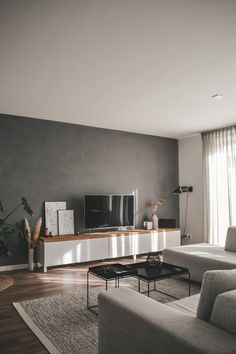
13	267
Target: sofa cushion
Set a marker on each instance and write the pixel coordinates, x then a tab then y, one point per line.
214	283
224	311
188	305
199	258
230	243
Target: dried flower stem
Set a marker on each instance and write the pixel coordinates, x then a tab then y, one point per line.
27	232
32	239
36	232
154	205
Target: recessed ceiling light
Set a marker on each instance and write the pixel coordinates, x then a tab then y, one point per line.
217	96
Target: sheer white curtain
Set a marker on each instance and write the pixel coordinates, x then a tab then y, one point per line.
219	176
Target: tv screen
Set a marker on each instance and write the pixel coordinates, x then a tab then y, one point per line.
107	211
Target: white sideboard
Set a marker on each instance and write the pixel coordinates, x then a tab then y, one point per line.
59	250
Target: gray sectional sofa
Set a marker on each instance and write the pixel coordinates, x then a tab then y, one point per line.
131	323
199	258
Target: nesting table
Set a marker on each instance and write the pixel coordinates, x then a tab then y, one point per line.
147	272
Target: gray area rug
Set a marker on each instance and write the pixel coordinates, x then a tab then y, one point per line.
64	325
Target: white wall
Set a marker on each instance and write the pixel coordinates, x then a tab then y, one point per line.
190	174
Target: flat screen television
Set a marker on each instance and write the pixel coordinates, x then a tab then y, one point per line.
108	211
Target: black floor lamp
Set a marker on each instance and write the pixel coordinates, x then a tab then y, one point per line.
180	190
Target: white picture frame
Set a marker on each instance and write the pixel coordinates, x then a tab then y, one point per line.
66	222
51	217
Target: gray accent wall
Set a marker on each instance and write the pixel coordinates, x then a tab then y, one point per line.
45	160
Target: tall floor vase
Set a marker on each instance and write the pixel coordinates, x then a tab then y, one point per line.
31	259
154	222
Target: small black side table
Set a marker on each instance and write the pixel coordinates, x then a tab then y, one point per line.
108	273
152	273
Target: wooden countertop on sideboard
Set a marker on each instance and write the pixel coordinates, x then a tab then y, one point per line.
90	235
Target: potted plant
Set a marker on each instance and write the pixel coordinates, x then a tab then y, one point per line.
7	229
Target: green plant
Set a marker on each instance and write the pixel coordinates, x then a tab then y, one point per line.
7	229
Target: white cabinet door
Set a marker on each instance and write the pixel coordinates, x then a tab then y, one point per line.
171	239
141	243
120	246
160	241
150	242
66	252
94	249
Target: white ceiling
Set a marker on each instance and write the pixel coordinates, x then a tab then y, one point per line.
145	66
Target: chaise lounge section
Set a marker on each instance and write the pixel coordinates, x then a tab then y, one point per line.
130	322
202	257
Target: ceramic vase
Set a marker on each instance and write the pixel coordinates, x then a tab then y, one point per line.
154	222
31	259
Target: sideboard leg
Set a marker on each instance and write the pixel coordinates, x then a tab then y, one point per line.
45	269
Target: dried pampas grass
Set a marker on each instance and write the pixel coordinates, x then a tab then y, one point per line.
32	239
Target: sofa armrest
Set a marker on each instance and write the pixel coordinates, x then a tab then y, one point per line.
134	324
224	312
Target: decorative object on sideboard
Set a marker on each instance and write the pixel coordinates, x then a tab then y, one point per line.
31	240
154	205
51	217
178	191
154	260
8	230
66	222
47	233
167	223
147	225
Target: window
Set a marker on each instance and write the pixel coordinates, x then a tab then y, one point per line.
219	166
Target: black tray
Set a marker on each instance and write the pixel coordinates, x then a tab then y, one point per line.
113	270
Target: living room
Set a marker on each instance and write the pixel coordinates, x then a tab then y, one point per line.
128	105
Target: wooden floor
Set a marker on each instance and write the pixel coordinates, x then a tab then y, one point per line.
15	336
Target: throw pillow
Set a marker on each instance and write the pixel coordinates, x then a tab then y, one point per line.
224	311
214	283
230	243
